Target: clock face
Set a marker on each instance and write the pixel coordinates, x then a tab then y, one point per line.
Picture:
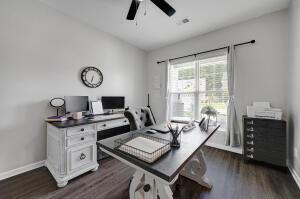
92	77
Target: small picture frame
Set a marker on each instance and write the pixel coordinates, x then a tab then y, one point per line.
96	107
204	125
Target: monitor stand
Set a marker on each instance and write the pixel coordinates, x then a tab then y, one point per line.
109	112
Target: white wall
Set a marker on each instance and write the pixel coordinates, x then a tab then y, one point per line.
41	55
294	86
261	68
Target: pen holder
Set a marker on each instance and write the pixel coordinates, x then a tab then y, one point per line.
175	138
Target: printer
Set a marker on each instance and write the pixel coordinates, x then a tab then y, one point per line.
264	110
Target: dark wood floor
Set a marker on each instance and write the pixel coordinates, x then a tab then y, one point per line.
231	177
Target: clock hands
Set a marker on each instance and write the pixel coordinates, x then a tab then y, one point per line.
92	79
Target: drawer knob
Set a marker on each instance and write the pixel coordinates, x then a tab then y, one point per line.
125	121
104	125
82	129
82	156
250	156
250	136
251	129
250	122
82	138
250	149
250	142
147	188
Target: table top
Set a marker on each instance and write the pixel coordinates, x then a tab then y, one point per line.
71	123
170	164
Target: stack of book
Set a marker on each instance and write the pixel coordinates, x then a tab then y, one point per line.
56	119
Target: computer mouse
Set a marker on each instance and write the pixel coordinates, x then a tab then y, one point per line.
151	131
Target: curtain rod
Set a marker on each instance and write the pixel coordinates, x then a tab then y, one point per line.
235	45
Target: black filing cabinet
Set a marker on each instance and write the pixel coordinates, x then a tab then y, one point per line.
265	140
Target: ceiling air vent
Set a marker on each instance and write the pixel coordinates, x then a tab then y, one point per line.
183	21
186	20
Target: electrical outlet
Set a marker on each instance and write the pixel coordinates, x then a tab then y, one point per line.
295	152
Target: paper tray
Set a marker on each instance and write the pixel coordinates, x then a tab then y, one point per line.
144	147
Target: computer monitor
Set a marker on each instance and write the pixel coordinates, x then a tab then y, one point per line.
113	102
76	104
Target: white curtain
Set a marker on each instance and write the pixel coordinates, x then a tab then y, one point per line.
233	134
167	88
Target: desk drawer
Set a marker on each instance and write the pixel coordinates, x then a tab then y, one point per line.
79	157
112	124
77	130
74	140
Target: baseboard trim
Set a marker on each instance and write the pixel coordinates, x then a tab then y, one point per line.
17	171
294	174
223	147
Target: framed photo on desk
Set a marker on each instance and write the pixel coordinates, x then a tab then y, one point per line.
96	107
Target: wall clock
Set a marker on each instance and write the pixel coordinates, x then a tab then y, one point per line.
91	77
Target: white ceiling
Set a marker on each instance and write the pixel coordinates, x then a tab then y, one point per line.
156	30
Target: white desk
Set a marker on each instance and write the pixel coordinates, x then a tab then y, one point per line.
71	145
151	180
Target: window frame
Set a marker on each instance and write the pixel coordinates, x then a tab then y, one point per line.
197	64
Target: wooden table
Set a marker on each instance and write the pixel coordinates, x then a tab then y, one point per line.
151	180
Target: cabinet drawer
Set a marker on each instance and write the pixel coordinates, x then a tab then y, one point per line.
112	124
267	123
81	139
77	130
275	145
272	157
264	132
78	157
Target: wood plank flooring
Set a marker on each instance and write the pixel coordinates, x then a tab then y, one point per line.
231	177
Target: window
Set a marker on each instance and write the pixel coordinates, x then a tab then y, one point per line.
196	84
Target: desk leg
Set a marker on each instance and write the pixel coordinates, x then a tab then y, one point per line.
164	191
135	183
145	186
195	170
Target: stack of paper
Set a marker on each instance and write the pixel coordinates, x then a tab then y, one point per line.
264	110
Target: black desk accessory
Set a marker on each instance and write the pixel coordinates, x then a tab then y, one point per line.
175	135
150	108
204	124
179	121
161	128
200	122
151	131
57	103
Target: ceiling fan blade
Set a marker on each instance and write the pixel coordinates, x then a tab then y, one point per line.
165	7
133	9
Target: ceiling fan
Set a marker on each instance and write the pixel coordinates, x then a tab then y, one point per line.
161	4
